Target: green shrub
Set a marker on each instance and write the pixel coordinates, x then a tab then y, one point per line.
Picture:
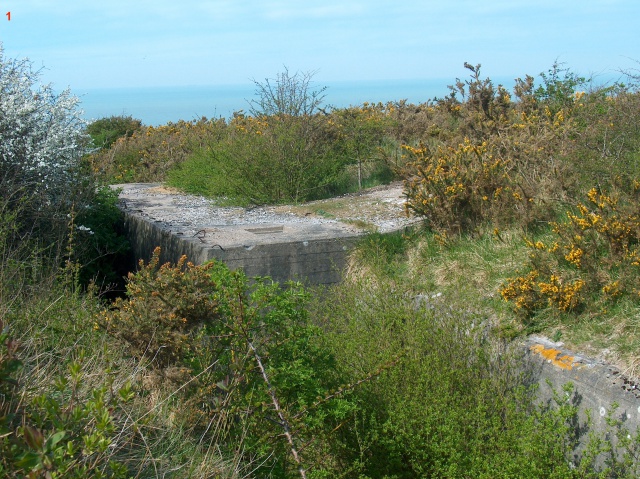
453	403
265	160
148	153
105	131
247	359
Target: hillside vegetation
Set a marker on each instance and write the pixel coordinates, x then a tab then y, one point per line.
530	208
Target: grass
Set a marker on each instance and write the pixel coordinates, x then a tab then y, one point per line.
54	329
467	274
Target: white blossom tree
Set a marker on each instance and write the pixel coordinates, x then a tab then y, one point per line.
42	139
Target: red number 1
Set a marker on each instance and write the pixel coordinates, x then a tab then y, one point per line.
9	16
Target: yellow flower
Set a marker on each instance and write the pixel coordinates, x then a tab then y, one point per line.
574	256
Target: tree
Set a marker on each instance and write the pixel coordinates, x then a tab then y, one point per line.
287	95
42	140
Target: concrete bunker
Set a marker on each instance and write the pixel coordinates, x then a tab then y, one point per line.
263	241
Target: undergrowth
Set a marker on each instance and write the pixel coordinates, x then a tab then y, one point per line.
405	370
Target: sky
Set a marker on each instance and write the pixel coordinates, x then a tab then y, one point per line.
141	43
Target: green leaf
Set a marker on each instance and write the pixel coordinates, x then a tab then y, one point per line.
125	392
29	461
54	439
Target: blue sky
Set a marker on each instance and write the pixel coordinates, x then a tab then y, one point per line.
136	43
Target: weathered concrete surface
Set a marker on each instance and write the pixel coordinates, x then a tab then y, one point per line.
597	385
261	241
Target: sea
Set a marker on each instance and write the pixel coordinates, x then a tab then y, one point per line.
156	106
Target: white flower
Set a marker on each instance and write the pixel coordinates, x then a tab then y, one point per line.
41	132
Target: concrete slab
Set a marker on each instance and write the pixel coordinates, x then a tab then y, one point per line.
284	243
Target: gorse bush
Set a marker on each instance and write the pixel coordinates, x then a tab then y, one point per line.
458	189
72	402
516	174
150	152
489	163
164	304
592	257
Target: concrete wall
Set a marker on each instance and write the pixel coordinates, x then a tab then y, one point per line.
315	261
598	387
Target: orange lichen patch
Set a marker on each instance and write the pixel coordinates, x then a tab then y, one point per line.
555	356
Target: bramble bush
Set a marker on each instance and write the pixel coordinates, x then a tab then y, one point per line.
453	404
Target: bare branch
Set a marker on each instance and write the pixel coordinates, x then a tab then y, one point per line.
287	95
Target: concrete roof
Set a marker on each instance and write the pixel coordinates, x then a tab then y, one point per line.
190	216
